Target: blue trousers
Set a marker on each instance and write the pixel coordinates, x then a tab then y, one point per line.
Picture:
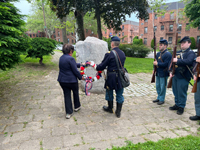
180	87
119	95
161	83
197	99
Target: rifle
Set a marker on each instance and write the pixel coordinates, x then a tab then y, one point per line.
155	68
194	89
172	63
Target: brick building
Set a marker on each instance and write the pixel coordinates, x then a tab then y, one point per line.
57	35
130	29
165	26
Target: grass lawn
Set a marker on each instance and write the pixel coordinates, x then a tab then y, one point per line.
138	65
183	143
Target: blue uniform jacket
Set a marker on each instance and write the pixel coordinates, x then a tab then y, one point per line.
68	72
113	82
162	66
182	71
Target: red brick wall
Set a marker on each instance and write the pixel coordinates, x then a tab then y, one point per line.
130	31
166	21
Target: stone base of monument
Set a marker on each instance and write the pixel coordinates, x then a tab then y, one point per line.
92	49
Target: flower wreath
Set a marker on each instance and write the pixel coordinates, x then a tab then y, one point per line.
89	79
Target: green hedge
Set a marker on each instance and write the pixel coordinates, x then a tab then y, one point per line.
139	51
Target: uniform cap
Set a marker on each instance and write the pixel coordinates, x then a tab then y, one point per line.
163	41
115	38
186	38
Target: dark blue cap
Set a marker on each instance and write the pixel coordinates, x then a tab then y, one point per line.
186	38
115	38
163	41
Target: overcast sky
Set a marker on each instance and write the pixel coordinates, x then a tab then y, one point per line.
25	7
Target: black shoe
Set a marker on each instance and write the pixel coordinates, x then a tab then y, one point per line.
194	118
109	108
118	110
155	101
175	107
160	102
180	111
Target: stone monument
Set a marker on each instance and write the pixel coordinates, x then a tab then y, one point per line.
92	49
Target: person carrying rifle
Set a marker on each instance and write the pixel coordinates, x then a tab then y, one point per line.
197	96
183	74
162	60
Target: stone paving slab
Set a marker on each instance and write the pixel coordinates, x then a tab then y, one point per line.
32	116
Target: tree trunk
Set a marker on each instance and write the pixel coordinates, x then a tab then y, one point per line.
98	20
64	34
80	29
40	61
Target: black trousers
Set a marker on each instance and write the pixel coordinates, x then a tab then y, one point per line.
67	87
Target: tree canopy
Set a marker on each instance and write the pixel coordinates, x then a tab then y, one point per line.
13	41
35	21
192	8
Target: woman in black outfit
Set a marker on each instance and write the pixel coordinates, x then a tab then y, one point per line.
68	74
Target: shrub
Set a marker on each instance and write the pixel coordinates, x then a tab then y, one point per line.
137	41
139	51
152	43
108	41
12	37
193	43
40	46
54	42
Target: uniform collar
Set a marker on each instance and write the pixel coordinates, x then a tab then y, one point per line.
184	51
164	51
115	48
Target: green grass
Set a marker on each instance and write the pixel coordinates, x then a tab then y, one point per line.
138	65
183	143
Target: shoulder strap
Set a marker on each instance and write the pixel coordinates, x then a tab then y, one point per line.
119	61
116	59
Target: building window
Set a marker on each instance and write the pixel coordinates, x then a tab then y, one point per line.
119	33
187	28
179	27
54	36
72	33
58	33
172	16
198	27
161	38
72	41
33	35
171	27
67	40
170	40
122	27
86	30
142	23
145	41
30	35
198	37
155	28
163	16
58	40
146	20
162	27
122	33
123	40
36	35
155	17
145	30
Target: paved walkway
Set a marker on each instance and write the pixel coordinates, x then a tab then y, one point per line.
33	117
